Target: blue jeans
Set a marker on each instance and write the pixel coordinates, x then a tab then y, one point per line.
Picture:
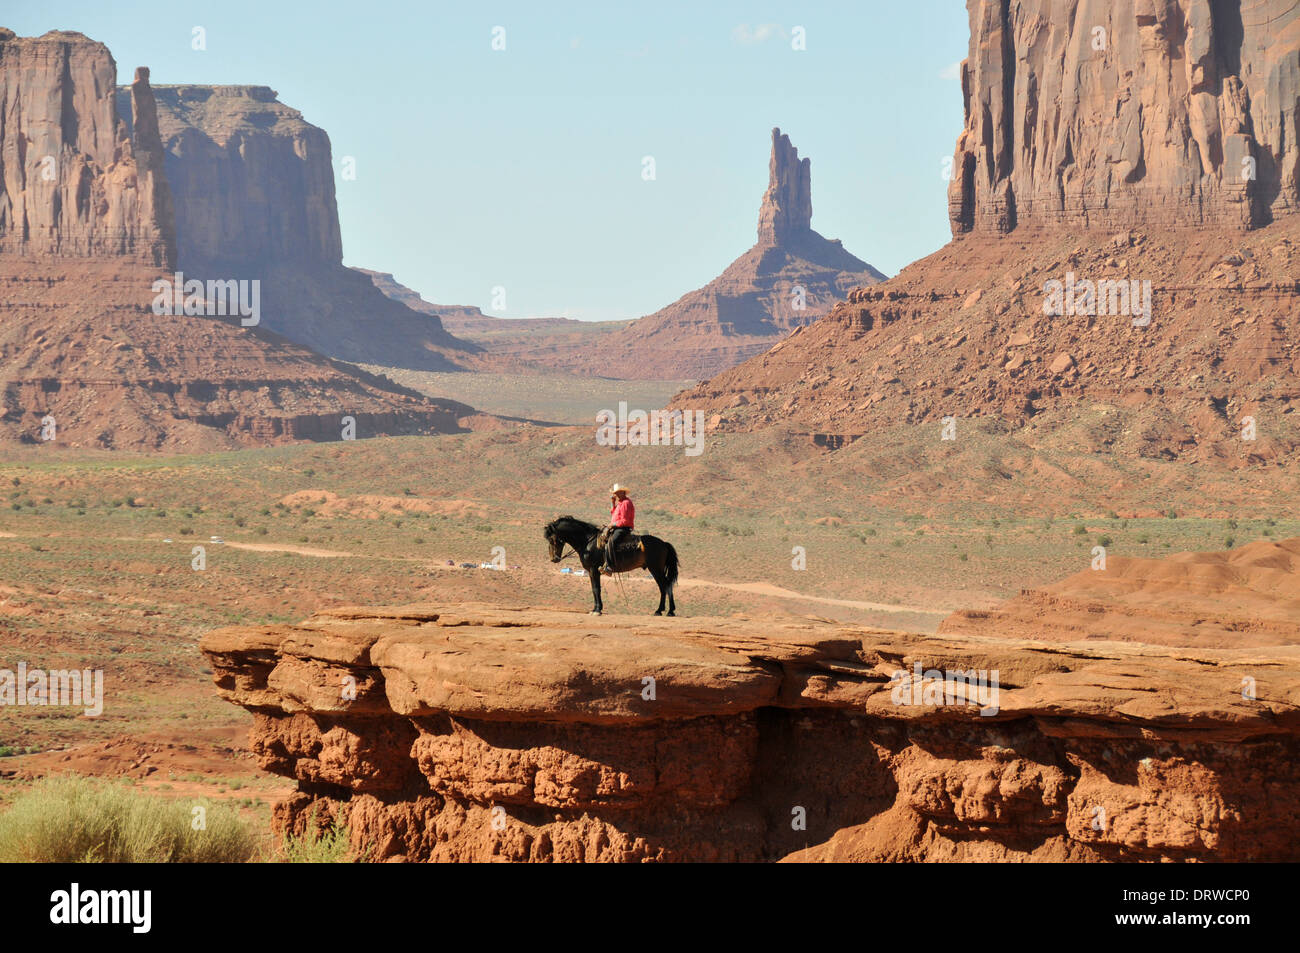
616	535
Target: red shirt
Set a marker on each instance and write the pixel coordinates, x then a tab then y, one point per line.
622	513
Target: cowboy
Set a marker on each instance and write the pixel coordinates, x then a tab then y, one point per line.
621	517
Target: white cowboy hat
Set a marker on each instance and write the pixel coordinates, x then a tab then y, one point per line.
618	488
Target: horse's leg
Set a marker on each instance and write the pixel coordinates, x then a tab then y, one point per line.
662	582
593	571
672	606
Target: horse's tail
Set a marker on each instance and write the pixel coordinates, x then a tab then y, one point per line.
671	565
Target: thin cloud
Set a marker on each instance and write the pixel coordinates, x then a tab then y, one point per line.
951	72
746	35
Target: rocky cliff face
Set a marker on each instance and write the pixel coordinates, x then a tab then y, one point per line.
786	212
1096	113
73	182
483	733
254	181
789	278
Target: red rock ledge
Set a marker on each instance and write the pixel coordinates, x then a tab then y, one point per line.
475	732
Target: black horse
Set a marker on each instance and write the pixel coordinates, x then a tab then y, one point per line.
656	556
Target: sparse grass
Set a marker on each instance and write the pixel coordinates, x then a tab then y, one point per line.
330	846
72	819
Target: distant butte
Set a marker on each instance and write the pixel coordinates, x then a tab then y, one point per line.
755	302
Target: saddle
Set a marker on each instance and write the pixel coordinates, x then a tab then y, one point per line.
633	540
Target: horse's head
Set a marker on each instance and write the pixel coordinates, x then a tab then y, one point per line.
553	541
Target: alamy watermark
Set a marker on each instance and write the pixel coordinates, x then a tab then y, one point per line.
655	428
1109	296
126	907
937	687
71	688
217	297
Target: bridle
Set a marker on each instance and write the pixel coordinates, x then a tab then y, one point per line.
564	543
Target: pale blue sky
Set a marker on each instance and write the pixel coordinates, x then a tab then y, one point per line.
522	168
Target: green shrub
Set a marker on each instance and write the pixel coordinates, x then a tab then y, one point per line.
71	819
331	846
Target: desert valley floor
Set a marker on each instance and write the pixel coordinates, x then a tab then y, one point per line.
97	564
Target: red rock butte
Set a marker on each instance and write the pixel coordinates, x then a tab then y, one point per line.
105	190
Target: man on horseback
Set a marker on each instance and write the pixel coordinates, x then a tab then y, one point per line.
622	518
656	556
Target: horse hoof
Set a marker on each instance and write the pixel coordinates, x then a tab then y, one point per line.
672	613
594	612
659	612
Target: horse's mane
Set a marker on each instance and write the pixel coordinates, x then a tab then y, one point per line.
572	521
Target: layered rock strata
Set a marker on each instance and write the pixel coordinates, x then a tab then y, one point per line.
473	732
1100	114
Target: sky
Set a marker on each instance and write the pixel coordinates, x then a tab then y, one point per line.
524	168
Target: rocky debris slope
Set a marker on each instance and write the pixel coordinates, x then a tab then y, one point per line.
788	279
73	181
1110	115
963	334
1245	597
80	343
475	732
